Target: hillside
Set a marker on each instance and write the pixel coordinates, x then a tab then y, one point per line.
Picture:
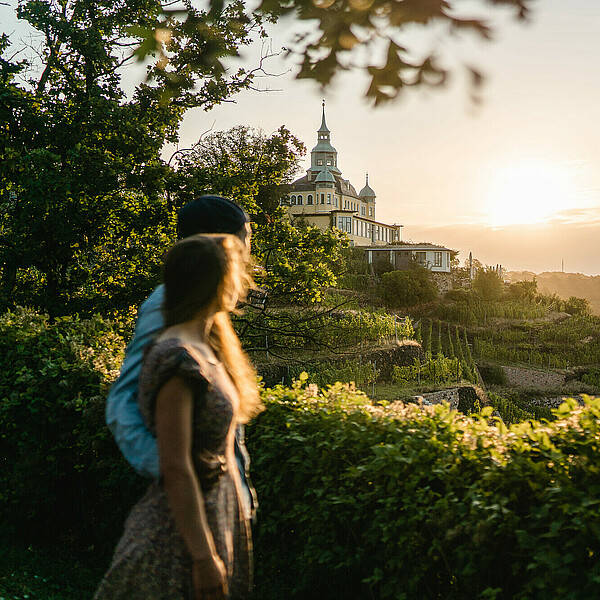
564	285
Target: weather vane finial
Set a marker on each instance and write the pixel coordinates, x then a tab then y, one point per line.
323	102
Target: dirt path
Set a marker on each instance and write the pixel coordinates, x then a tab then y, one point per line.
531	378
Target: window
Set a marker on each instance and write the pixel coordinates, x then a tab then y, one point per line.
329	162
370	211
293	200
319	161
345	224
437	259
322	198
309	199
335	201
328	198
363	212
421	258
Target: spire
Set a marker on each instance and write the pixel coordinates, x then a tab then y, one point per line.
367	192
323	128
324	154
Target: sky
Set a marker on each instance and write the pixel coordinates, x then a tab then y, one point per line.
514	179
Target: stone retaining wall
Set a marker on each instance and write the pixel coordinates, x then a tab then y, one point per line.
554	402
451	396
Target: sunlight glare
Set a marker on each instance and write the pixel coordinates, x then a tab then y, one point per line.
527	193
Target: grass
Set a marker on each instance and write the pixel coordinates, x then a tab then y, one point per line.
46	574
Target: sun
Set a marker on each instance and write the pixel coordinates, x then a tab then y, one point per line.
526	193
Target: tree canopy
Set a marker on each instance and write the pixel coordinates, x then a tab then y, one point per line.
83	187
339	34
294	263
488	284
81	176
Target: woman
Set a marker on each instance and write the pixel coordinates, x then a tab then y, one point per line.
187	538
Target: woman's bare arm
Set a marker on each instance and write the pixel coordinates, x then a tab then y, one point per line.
174	409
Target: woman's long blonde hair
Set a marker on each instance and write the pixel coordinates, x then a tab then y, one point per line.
198	271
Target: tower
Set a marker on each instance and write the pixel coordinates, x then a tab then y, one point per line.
323	155
368	195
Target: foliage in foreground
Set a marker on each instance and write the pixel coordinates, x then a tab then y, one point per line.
61	475
397	501
46	574
421	502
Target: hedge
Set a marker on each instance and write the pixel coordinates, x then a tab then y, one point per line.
62	479
409	501
356	500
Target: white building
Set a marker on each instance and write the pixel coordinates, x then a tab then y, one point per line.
325	199
435	258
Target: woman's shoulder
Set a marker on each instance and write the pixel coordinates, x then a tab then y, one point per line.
175	355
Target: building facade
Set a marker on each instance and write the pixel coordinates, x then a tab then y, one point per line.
325	199
436	258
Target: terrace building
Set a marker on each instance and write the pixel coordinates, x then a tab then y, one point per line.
436	258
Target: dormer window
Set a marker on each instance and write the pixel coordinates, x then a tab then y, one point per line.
329	162
319	162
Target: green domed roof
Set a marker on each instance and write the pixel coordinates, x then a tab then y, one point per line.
325	176
367	191
324	146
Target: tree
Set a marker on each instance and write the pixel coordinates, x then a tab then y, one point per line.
81	178
295	264
407	288
298	263
577	306
524	290
346	31
488	284
242	163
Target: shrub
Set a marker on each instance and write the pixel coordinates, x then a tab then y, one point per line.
435	370
407	288
413	502
577	306
357	282
458	295
382	265
492	374
488	284
62	477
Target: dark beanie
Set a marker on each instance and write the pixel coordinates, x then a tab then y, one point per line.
210	214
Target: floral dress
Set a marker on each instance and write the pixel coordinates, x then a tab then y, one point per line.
151	561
